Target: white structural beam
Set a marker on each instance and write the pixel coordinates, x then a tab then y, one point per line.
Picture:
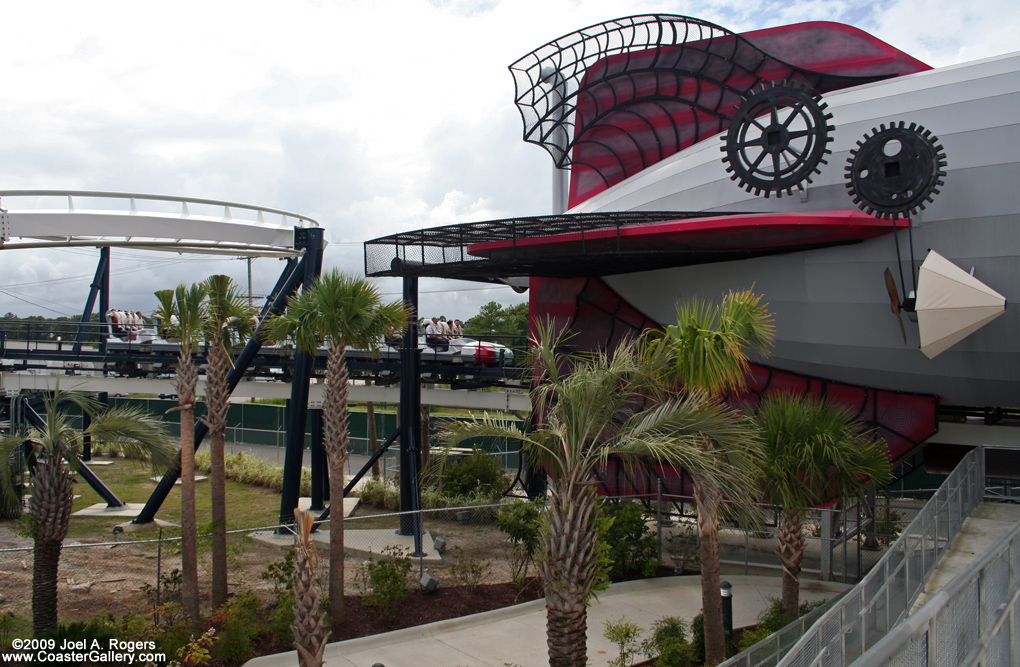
515	401
152	222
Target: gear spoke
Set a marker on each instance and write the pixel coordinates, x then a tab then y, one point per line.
773	111
794	113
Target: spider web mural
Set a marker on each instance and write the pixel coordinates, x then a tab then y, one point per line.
616	97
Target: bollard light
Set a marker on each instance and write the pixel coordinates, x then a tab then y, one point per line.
726	591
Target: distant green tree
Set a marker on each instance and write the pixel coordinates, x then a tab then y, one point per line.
496	319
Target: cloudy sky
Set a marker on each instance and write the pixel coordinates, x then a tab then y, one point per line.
371	117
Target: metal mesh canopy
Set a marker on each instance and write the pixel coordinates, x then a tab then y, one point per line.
614	98
497	249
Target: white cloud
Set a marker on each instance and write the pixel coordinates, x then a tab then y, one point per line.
371	117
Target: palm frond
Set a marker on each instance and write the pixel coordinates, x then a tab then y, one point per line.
8	447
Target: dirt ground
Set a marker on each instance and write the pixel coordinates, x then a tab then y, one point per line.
102	579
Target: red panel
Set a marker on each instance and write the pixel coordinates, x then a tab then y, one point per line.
624	124
600	318
732	232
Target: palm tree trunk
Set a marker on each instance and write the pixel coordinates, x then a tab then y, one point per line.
566	571
52	497
187	380
791	554
335	437
216	403
308	627
708	499
44	586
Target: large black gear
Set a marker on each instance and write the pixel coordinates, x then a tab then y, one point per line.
895	170
777	139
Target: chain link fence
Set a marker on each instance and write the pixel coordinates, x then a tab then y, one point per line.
458	546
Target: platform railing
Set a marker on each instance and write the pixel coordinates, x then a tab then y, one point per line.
866	613
884	597
972	620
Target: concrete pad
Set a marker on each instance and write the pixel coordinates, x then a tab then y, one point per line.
100	509
305	503
198	478
96	462
517	635
129	527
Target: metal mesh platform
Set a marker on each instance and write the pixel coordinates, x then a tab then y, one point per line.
496	249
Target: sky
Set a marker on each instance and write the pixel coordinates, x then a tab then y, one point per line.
370	117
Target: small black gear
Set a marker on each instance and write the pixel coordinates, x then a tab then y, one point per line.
777	139
895	170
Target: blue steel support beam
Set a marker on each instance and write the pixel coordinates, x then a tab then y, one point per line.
290	279
314	243
410	417
100	285
320	481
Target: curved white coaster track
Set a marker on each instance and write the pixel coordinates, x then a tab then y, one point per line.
146	221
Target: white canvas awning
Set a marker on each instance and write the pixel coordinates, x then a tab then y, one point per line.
951	304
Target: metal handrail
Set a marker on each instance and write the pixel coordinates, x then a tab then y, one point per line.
885	595
170	198
990	610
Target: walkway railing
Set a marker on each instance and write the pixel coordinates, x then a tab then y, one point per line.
973	620
883	598
866	613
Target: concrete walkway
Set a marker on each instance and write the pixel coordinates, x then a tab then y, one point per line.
516	635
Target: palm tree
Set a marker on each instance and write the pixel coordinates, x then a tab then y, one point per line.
309	625
590	409
342	309
708	345
57	443
228	319
182	316
814	450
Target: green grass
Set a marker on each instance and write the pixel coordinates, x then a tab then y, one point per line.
247	506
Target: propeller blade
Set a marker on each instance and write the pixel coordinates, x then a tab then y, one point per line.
894	300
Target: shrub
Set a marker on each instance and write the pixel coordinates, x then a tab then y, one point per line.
625	635
633	547
384	581
381	493
669	643
522	523
479	472
469	570
253	471
240	620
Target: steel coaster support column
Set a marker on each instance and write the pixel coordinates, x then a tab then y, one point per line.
410	414
313	244
291	279
104	303
318	464
83	470
86	440
100	286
